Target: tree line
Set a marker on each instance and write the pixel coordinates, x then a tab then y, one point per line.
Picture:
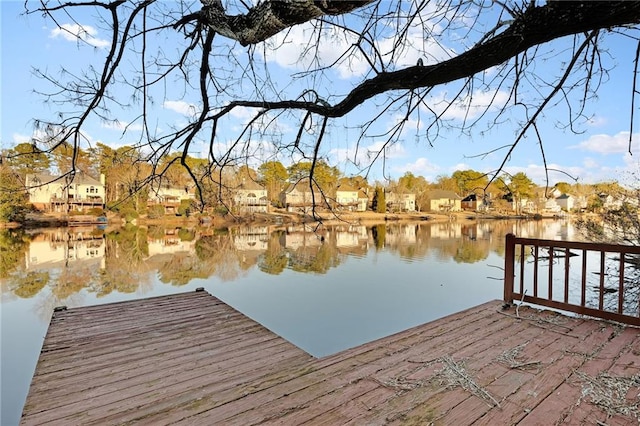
129	175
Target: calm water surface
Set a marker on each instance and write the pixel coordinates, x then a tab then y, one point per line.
324	289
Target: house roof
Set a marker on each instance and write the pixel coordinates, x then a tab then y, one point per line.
79	178
302	185
346	188
443	194
250	184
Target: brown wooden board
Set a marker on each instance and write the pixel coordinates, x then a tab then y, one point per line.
191	359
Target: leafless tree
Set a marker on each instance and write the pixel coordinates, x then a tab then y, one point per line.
222	52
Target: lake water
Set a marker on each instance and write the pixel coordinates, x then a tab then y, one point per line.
324	289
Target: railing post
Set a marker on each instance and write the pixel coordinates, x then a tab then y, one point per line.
509	259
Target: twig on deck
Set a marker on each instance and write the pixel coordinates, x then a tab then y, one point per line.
509	358
454	374
535	322
610	393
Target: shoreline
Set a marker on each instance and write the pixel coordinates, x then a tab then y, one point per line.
276	217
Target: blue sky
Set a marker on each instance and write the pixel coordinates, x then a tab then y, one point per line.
599	152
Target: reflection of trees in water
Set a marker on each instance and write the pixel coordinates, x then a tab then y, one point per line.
217	255
314	259
379	233
14	277
127	266
27	284
471	252
132	243
71	280
180	268
274	260
301	249
125	270
13	246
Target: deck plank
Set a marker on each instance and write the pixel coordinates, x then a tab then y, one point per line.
192	359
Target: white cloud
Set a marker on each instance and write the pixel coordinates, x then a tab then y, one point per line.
459	166
608	144
364	156
20	138
416	47
181	107
299	49
421	167
243	113
597	121
76	32
590	163
470	106
558	173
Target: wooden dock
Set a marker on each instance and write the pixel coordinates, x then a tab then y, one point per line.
191	359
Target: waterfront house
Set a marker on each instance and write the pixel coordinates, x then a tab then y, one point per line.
439	200
566	202
300	198
475	202
67	193
169	196
400	202
251	197
351	199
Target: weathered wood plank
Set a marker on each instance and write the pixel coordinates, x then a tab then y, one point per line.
191	359
327	376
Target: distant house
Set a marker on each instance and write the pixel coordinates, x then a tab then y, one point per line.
63	194
609	202
439	200
251	197
400	202
565	201
300	198
474	202
351	199
169	197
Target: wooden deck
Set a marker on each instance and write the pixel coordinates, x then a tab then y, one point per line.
191	359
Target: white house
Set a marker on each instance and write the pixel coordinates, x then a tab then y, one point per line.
439	200
351	199
298	197
251	197
77	192
565	201
400	202
169	197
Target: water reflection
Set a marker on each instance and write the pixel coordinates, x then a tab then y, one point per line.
323	288
124	259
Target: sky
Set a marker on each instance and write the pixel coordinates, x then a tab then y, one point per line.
597	149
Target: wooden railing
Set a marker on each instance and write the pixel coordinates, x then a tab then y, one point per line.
598	280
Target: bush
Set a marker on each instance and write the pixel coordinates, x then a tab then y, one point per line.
221	211
186	234
155	212
129	214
